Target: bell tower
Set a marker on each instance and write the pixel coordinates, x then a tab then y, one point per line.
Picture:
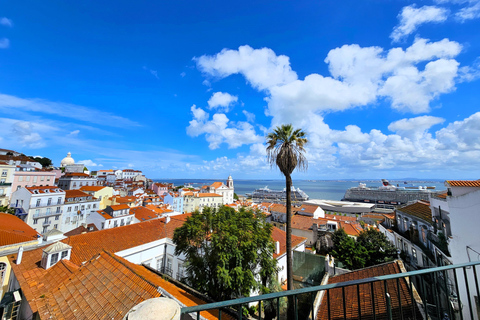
230	182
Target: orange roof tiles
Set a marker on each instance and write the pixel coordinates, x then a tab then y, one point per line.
339	217
353	305
306	208
75	194
143	214
418	209
76	174
281	236
203	195
13	230
216	185
464	183
84	246
119	207
91	188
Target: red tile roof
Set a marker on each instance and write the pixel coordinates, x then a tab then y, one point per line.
203	195
352	305
216	185
84	246
119	207
75	194
464	183
13	230
81	230
418	209
143	214
91	188
281	236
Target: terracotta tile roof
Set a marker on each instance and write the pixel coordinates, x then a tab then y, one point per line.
84	246
216	185
340	218
143	214
281	236
464	183
306	208
124	199
119	207
203	195
442	195
76	174
91	188
106	287
352	229
352	304
305	223
418	209
81	229
14	230
75	194
105	215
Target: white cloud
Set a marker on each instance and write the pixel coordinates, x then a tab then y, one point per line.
262	68
220	130
461	135
74	133
8	103
152	72
23	130
89	163
4	43
183	74
469	12
250	116
6	22
222	100
411	17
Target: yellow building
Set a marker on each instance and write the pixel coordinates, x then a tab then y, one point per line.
102	193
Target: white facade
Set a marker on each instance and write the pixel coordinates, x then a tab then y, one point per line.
43	206
6	179
112	217
77	209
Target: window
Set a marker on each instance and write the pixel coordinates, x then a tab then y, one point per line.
3	272
38	202
54	259
58	210
57	217
76	208
4	173
55	226
49	201
48	210
94	206
20	178
64	254
67	220
35	179
42	178
69	209
35	221
414	255
27	178
59	200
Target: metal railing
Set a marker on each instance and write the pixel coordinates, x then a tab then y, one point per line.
437	293
46	214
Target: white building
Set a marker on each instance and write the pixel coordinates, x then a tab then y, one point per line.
6	180
78	206
127	174
226	191
74	181
40	207
457	215
112	217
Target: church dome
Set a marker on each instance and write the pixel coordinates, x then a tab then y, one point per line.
67	160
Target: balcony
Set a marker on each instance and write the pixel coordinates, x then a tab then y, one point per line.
45	204
45	214
5	184
446	292
47	223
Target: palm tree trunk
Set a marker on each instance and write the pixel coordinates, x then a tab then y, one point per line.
288	185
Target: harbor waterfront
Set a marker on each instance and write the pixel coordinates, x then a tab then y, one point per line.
315	189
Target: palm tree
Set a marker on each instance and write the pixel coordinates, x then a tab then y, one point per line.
285	149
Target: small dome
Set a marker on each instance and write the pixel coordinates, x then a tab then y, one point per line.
67	160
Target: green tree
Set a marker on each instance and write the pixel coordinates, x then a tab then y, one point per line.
285	149
45	162
6	209
346	250
235	196
379	248
225	250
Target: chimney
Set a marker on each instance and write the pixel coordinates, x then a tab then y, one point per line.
39	239
277	247
20	255
167	219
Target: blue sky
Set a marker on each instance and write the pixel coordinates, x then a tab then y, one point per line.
189	89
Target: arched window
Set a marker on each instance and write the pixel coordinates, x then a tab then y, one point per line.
3	272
